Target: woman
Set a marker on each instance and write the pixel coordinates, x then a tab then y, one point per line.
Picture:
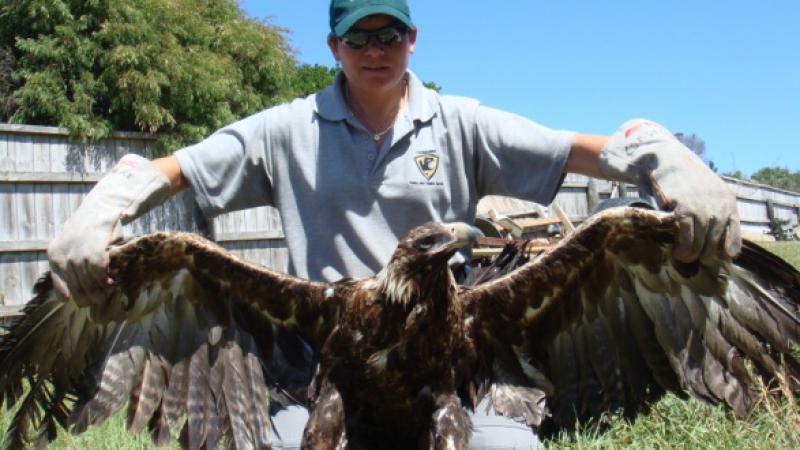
354	166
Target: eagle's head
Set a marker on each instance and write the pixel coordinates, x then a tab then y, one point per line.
420	260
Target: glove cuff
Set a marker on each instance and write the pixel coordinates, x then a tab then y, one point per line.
130	189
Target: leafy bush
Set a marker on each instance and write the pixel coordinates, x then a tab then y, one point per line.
179	68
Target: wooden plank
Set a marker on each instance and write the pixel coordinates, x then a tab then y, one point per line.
44	228
107	155
60	206
275	218
537	223
57	131
22	151
6	161
249	236
734	182
58	154
568	227
486	252
19	246
10	310
40	154
10	279
29	271
26	217
48	177
9	213
574	203
502	242
76	192
757	199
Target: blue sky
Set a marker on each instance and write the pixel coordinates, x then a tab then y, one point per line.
726	71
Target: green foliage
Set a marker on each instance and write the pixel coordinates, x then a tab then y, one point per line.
693	141
698	146
789	251
779	229
432	85
312	78
737	174
8	65
779	177
180	68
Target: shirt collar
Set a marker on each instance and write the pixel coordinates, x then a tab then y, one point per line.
330	104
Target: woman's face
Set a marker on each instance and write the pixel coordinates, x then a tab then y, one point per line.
375	67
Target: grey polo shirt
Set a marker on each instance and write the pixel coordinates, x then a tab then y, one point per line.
344	204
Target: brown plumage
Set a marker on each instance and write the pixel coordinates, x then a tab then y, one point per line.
606	321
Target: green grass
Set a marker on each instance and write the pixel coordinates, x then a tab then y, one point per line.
109	436
672	423
788	250
675	423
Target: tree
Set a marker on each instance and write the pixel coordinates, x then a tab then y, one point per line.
8	65
432	85
180	68
737	174
694	142
312	78
779	177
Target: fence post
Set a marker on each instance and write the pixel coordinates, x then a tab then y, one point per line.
592	194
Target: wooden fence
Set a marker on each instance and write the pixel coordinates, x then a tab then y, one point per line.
44	176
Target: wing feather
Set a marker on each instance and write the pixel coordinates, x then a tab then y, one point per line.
170	342
197	402
235	398
613	321
146	395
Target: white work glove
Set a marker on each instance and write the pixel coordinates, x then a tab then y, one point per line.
644	153
79	255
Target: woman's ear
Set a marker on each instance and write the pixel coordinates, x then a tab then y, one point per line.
333	44
412	39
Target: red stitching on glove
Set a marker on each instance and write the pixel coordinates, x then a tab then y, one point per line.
632	129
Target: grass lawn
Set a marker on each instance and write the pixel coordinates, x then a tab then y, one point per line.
788	250
672	423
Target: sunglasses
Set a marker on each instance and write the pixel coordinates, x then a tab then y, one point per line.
387	36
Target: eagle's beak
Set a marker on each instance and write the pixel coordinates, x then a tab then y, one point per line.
463	235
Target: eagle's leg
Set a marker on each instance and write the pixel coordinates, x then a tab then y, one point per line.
450	425
325	428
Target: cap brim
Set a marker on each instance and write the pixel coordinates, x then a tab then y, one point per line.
371	10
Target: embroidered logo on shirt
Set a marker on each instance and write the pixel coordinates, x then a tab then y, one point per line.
427	164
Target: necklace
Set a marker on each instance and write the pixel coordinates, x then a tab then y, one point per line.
377	136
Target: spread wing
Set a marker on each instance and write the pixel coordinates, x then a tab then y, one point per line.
609	321
182	340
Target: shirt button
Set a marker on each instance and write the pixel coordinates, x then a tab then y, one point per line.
370	156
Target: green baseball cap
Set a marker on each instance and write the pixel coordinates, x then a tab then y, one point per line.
345	13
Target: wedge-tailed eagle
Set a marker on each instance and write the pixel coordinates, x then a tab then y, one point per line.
605	321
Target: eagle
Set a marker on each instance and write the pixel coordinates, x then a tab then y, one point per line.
606	321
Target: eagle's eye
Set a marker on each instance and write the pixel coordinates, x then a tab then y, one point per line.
426	243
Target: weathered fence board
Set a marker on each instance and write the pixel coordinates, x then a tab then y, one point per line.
44	176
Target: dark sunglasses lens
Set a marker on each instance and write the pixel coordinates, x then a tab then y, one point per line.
389	36
355	39
359	39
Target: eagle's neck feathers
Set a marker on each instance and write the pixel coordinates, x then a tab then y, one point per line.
407	284
396	283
